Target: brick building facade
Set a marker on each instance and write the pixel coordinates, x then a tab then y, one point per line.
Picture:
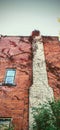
15	55
52	58
16	75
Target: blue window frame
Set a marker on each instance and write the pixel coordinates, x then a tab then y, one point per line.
10	76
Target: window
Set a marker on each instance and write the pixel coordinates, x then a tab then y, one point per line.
10	76
5	123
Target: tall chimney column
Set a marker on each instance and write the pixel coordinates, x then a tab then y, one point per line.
40	91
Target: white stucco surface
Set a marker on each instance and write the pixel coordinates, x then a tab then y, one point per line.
40	91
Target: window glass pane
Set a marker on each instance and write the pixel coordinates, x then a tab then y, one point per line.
9	80
10	72
5	123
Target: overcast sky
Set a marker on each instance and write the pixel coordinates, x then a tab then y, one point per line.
20	17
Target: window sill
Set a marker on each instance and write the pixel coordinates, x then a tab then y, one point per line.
7	84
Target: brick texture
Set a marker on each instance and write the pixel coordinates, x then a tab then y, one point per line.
52	56
16	52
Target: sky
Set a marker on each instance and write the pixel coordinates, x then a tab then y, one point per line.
21	17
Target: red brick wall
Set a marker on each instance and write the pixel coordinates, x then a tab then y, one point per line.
16	52
52	55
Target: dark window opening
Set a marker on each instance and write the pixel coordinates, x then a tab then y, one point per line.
5	123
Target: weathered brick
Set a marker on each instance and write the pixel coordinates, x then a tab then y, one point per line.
13	99
52	55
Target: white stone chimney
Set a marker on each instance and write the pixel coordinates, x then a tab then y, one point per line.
40	91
